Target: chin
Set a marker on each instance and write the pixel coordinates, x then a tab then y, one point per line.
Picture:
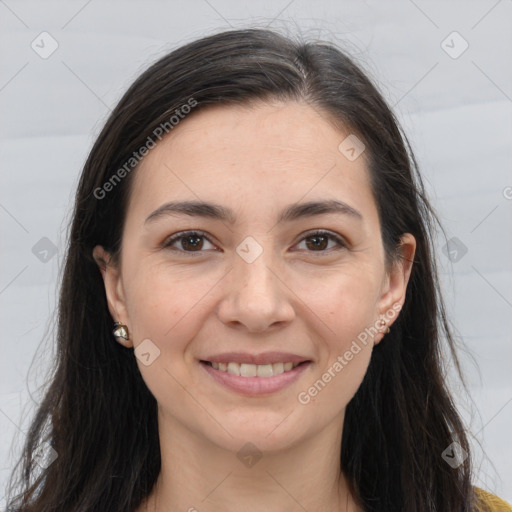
268	434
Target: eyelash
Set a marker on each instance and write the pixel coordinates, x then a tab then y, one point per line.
184	234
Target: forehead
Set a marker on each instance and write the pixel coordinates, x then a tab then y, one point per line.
270	153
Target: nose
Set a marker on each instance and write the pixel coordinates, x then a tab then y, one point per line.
256	297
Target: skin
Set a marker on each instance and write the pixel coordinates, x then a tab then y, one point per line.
294	298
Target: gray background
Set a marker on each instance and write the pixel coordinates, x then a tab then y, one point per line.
455	105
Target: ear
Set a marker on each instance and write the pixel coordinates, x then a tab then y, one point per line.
113	288
395	285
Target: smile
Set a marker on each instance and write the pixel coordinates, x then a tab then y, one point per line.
253	370
254	379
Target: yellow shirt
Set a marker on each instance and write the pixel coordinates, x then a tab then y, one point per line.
491	502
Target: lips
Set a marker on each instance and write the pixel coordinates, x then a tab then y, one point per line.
255	374
255	380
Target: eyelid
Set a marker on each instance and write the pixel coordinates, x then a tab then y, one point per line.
308	234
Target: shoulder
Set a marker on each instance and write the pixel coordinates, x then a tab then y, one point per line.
491	502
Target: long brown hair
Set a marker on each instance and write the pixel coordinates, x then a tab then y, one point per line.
97	413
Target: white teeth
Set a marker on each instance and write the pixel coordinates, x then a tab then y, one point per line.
234	368
254	370
264	370
248	370
278	368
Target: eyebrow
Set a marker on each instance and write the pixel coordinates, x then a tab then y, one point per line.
215	211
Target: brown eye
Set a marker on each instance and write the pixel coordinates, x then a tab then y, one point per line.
318	241
191	241
195	242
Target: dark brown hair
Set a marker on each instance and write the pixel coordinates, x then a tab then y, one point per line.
98	414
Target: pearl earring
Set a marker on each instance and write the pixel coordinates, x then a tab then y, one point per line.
120	331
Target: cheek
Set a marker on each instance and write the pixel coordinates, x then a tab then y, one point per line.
346	301
344	356
168	311
165	303
347	308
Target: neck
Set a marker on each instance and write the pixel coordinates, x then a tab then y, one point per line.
198	476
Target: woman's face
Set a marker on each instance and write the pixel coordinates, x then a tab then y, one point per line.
255	285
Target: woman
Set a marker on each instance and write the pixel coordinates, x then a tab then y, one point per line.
250	315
